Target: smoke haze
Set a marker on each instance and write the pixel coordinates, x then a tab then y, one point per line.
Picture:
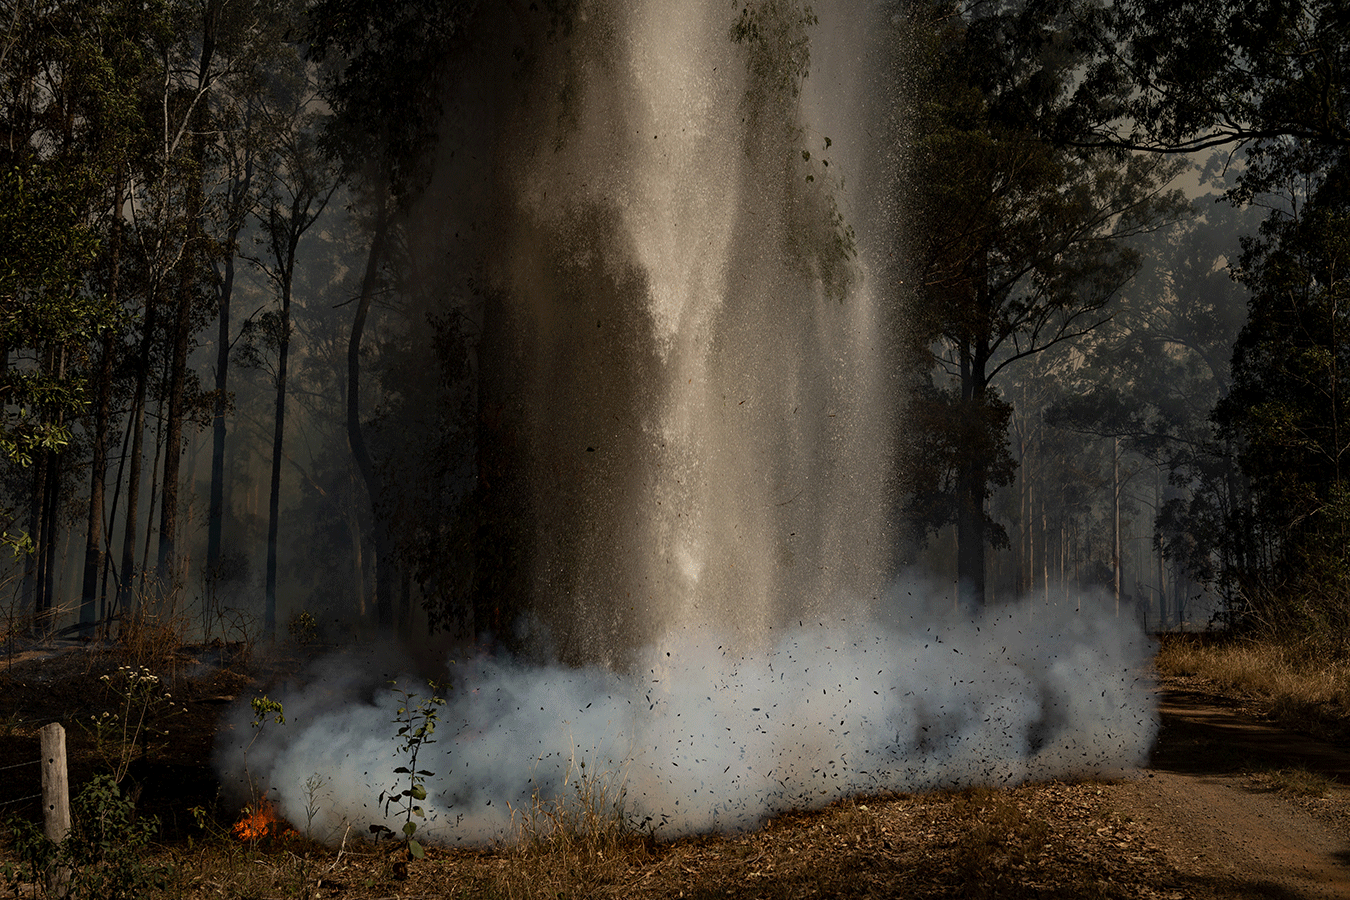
702	738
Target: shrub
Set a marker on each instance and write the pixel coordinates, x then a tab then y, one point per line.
102	858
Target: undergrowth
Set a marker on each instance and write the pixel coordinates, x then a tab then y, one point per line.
582	832
1304	691
103	857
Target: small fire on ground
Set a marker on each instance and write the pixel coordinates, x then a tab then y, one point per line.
260	822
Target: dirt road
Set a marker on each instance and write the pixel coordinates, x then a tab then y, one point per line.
1217	801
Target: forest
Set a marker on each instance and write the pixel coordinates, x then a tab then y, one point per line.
243	388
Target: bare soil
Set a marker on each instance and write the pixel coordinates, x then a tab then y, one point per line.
1229	807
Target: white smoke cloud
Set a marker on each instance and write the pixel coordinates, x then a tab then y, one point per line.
704	738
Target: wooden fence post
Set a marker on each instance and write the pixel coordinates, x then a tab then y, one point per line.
55	796
55	787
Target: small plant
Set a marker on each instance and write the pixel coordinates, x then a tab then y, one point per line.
100	859
313	785
416	723
143	708
303	628
264	708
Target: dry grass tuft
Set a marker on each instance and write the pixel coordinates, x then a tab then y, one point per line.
1299	781
579	844
1304	692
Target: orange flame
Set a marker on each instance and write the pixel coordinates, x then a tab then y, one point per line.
260	822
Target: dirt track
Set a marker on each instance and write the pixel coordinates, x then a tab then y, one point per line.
1226	831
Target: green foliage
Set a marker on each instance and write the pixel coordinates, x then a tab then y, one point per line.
263	707
1018	245
384	123
46	314
1288	416
102	858
416	724
1199	74
303	628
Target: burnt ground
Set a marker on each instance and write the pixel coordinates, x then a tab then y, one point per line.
1229	807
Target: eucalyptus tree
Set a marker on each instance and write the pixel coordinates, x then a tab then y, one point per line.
1266	80
255	110
302	181
389	64
1289	413
1023	246
68	82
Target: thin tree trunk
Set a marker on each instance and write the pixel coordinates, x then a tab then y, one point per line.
971	482
182	332
32	573
93	539
1045	553
1115	523
173	440
154	487
94	551
216	510
1023	545
104	612
52	501
126	591
384	607
274	495
1158	553
1031	538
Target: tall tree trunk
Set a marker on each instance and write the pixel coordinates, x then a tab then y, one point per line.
173	437
384	562
215	525
50	533
105	613
146	570
136	423
1158	553
972	479
94	551
47	496
274	495
193	254
1045	553
1024	535
1115	523
215	516
93	535
37	527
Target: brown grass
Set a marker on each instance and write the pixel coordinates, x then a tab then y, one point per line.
582	837
1298	690
1038	841
1043	841
1299	781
